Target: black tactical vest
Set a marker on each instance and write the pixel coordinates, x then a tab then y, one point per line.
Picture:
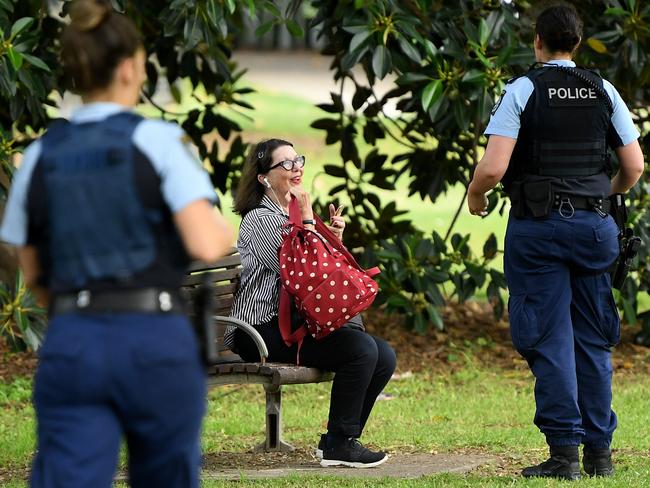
96	211
564	127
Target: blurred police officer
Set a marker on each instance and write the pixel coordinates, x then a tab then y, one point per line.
548	144
107	209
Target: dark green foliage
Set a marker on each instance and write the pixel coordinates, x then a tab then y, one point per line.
188	39
420	273
21	320
451	60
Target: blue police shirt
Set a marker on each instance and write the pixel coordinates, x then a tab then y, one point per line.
505	120
183	180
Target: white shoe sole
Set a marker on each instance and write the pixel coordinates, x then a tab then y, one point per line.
335	462
319	454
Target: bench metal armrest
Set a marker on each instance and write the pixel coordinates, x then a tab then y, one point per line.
250	330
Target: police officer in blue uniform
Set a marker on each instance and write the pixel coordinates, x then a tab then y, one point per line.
106	210
548	145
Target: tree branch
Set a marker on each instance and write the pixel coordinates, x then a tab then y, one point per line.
477	136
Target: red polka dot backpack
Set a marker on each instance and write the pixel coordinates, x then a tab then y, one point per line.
322	278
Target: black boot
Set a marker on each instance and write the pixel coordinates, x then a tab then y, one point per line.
597	462
564	463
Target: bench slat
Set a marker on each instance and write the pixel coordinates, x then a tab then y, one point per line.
215	277
231	258
228	289
219	290
310	375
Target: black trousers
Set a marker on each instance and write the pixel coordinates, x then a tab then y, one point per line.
363	365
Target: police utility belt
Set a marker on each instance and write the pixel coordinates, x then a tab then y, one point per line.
538	199
142	300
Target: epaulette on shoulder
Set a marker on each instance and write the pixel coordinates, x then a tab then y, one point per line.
515	78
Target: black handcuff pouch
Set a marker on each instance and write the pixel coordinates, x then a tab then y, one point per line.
531	198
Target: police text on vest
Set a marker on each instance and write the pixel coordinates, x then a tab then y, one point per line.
571	93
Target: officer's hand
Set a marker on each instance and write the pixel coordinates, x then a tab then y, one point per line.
477	203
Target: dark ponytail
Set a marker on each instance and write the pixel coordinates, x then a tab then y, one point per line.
250	191
94	43
560	28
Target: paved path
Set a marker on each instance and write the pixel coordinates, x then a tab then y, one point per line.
407	466
305	74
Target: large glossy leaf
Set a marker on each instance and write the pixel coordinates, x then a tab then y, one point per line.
431	94
359	39
410	50
597	45
7	5
20	25
294	28
490	247
483	32
411	78
381	62
15	58
36	62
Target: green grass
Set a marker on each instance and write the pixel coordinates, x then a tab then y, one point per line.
477	409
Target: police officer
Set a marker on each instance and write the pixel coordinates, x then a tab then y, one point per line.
105	210
548	145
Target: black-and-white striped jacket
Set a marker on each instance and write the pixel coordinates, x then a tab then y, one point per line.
260	237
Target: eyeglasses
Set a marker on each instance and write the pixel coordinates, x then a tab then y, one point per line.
289	165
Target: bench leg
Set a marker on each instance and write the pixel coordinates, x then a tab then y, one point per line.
274	440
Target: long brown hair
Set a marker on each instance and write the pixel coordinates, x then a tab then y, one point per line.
250	191
94	43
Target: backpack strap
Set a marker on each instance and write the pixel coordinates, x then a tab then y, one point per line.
284	321
322	229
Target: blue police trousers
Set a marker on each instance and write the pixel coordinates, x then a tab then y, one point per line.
564	321
104	377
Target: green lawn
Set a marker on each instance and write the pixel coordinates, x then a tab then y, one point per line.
483	410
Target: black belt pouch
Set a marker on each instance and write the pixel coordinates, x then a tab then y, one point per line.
539	198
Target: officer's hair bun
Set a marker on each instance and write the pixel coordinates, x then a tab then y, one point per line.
94	43
571	37
87	15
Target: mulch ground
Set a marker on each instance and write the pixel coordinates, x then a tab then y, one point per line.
471	334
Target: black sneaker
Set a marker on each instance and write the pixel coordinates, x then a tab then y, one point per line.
352	453
322	443
563	463
597	462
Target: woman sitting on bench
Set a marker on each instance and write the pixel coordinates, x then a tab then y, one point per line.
363	363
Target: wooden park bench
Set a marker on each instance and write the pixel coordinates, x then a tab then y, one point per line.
230	368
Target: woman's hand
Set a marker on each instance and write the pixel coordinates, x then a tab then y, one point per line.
337	223
304	202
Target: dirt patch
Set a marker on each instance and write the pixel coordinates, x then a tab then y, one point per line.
15	364
8	475
471	334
